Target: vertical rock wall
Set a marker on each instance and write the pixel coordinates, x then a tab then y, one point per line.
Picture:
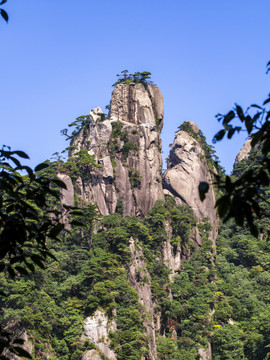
127	147
187	167
140	280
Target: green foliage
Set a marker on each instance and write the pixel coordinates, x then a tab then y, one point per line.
241	196
225	303
135	178
137	78
242	297
129	146
119	135
25	223
81	122
209	151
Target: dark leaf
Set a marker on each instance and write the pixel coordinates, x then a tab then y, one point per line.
18	341
48	253
266	101
21	270
11	272
256	106
59	183
30	267
203	189
20	153
249	124
238	128
56	230
37	261
21	352
4	14
219	136
256	138
256	116
40	167
254	230
223	204
266	146
230	133
240	113
77	223
228	117
16	161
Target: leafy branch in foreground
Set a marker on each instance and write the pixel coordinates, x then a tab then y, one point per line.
25	222
3	12
29	215
241	197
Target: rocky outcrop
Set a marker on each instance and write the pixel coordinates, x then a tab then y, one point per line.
187	167
67	195
140	280
92	355
96	330
243	153
171	255
137	104
127	149
19	335
205	354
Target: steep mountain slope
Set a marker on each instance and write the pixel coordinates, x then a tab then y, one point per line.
127	148
187	166
144	288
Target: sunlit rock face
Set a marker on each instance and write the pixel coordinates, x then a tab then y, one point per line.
243	153
96	330
187	167
140	280
127	149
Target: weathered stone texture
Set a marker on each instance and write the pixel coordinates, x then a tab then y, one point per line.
96	329
139	110
140	280
243	153
186	169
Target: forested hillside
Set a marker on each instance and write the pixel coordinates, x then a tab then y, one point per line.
142	273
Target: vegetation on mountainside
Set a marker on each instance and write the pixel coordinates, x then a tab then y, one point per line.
30	216
209	151
85	280
223	302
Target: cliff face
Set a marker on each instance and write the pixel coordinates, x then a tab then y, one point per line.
243	153
127	148
187	167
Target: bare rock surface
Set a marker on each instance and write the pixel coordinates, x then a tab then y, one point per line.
140	280
186	169
96	329
27	345
91	355
171	257
243	153
67	195
205	354
127	149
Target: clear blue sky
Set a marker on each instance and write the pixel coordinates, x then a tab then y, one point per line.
59	59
